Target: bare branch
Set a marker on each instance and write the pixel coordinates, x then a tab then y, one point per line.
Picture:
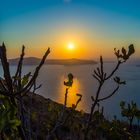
5	66
115	69
36	87
6	93
98	70
101	69
66	95
19	68
3	85
110	95
31	82
96	78
97	74
78	101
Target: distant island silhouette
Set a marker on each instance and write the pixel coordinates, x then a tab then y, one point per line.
35	61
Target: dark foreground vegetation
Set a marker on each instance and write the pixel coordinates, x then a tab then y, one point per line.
25	115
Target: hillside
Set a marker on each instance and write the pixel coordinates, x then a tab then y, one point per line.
35	61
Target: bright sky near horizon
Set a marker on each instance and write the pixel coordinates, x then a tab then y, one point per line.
71	28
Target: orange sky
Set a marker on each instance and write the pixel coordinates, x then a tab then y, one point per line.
82	49
94	29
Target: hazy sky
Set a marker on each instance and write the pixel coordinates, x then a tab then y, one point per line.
94	26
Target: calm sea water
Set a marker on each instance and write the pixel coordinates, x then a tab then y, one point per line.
52	77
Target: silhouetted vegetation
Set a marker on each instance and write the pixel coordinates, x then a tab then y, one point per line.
22	116
101	76
12	91
131	112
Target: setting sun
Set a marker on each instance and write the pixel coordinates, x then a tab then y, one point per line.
71	46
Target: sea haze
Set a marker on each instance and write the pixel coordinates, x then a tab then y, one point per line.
35	61
52	78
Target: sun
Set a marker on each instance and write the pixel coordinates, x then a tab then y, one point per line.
71	46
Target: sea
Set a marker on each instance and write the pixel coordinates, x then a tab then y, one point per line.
52	78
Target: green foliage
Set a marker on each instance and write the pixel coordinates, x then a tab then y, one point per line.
8	119
12	91
116	130
130	110
25	79
12	106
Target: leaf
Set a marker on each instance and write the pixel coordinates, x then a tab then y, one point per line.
123	51
25	79
118	81
92	98
2	107
70	80
14	123
124	54
122	103
70	76
79	95
131	49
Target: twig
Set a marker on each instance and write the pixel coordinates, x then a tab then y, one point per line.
32	80
19	69
115	90
5	66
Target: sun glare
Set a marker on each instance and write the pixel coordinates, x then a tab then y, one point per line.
71	46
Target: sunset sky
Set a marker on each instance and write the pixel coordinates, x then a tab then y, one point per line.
71	28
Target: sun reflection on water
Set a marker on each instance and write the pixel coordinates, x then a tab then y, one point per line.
72	98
